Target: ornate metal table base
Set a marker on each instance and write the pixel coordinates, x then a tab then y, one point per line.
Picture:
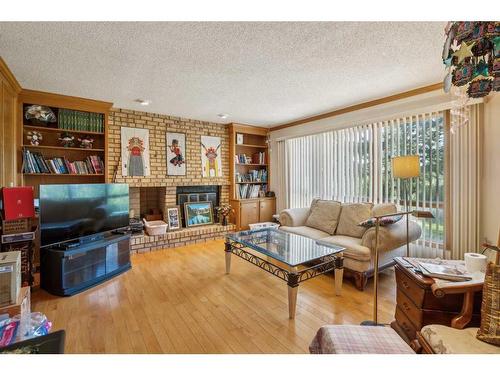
292	276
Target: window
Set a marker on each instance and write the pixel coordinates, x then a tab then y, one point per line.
354	165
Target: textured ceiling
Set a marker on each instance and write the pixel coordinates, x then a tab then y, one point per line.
263	73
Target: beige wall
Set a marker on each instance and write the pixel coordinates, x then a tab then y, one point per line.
490	184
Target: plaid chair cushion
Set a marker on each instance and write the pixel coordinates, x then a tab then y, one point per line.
351	339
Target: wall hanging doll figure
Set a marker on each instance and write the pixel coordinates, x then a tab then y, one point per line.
178	159
135	159
211	160
134	151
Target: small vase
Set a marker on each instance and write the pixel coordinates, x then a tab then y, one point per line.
224	220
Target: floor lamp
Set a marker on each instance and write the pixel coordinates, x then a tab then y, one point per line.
405	168
416	213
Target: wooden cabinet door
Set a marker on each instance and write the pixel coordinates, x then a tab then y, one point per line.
9	136
8	143
266	210
249	214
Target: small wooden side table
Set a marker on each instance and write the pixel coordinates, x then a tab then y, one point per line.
420	302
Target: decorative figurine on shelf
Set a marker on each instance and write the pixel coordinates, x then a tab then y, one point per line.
224	211
35	138
67	140
40	114
86	142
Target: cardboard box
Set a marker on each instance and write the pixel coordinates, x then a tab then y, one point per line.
10	277
22	305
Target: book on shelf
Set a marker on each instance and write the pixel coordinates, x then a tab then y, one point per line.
248	191
80	121
256	158
34	162
252	176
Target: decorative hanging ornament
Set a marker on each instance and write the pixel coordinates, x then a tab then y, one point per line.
464	51
471	53
480	71
447	82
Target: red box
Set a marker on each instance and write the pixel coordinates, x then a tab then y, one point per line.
18	203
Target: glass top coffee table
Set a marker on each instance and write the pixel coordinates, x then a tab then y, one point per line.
294	255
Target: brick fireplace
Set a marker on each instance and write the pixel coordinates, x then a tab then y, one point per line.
143	200
161	190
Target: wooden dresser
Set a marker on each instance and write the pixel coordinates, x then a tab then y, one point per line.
417	305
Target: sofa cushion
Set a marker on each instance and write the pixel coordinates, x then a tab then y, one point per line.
385	258
324	215
384	209
355	339
447	340
315	234
353	247
351	215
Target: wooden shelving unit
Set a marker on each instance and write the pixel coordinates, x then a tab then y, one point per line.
50	146
57	130
249	210
65	148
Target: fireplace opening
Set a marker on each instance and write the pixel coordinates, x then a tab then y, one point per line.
147	202
201	193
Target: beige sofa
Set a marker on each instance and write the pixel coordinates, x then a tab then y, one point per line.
337	223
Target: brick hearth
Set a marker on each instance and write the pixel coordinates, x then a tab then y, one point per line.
185	236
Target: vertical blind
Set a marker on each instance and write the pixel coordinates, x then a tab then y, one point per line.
465	167
354	165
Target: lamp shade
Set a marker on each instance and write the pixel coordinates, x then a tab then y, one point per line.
406	166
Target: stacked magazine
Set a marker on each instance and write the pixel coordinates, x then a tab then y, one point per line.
443	270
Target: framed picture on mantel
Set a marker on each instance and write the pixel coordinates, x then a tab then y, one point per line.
173	218
198	213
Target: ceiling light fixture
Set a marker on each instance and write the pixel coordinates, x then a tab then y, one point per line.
143	102
222	115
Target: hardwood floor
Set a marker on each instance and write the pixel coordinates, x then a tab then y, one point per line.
181	301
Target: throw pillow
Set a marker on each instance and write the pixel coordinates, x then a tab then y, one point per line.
490	309
352	214
383	221
324	215
384	209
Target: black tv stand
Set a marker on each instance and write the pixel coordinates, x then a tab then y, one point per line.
66	271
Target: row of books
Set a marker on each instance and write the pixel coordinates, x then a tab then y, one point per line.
247	191
83	121
252	176
34	162
256	158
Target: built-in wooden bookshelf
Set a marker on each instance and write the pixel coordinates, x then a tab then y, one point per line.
81	118
249	170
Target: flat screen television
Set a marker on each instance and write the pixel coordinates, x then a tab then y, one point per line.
75	211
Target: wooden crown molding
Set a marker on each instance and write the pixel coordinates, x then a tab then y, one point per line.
357	107
252	129
65	101
5	71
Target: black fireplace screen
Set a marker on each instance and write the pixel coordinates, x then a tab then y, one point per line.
208	193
